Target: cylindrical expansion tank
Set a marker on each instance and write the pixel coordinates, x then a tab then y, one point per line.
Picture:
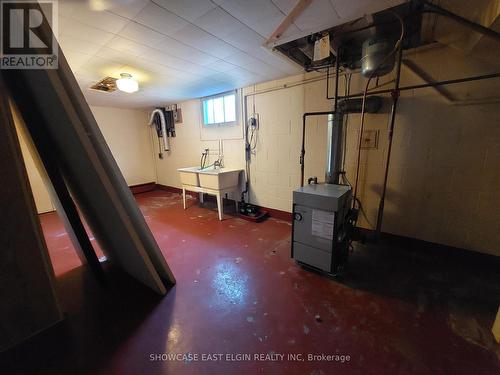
374	60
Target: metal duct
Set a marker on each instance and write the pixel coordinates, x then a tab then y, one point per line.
336	129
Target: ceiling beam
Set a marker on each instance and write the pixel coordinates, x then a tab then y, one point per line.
288	20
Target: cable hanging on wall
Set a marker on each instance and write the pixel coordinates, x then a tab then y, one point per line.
164	124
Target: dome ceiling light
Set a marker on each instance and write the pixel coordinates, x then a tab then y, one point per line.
127	84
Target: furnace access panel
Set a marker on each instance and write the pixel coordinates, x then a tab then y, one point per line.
319	213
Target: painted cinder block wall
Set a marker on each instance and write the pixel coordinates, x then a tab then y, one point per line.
444	181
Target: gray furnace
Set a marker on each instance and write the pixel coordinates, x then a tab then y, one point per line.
319	235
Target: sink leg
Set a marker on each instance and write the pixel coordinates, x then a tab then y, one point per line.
220	207
200	195
237	209
184	197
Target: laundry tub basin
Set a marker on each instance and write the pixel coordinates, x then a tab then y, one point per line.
189	176
218	179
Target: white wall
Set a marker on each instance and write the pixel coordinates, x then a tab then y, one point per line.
127	134
187	146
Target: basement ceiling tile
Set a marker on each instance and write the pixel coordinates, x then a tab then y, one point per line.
141	34
127	8
319	14
111	54
245	39
219	22
76	59
251	12
160	19
267	25
66	8
222	65
263	69
241	59
238	74
119	43
277	60
200	39
101	20
159	57
78	45
97	68
71	27
350	10
179	64
83	82
285	6
188	9
150	66
176	48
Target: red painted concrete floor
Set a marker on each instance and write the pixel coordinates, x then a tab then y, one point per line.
396	311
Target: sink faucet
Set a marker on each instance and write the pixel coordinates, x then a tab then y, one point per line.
204	156
218	163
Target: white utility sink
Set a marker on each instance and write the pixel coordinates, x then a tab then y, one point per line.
214	181
221	178
189	176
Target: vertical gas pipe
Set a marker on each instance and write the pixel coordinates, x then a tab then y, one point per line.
395	97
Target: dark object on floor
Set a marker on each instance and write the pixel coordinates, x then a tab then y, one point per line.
251	212
255	219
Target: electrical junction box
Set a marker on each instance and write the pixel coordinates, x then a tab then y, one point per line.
319	233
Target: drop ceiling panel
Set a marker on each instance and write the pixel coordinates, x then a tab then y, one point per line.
127	8
76	59
72	27
180	49
285	6
219	22
350	10
320	13
70	43
245	39
254	13
179	64
101	20
253	65
276	59
200	39
121	44
222	65
98	68
141	34
187	9
160	19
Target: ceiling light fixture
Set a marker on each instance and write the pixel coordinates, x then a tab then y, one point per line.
126	83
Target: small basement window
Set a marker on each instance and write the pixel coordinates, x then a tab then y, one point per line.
220	109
